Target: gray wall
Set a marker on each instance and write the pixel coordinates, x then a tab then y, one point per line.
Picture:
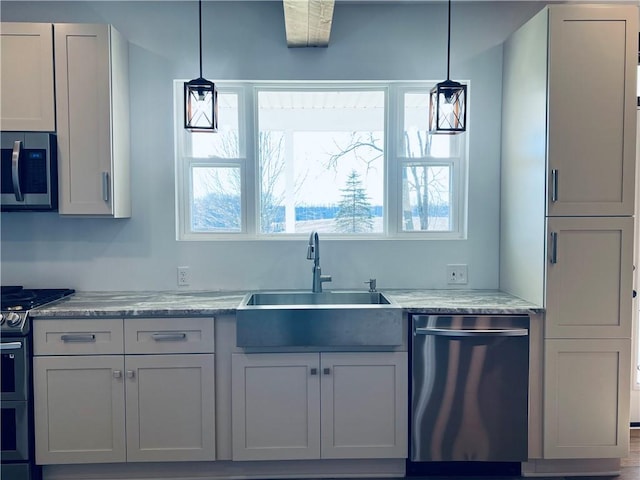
246	40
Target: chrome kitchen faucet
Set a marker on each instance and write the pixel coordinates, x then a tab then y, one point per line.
313	253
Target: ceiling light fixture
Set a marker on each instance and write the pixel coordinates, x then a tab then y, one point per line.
448	100
200	97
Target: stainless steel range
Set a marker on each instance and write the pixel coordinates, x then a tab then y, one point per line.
17	393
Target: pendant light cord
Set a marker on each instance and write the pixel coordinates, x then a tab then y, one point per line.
200	32
448	42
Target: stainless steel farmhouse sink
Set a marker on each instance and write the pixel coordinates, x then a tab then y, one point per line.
288	299
303	318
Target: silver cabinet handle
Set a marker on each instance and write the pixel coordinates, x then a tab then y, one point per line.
314	371
15	170
326	371
11	346
554	247
131	374
75	338
105	186
168	337
450	332
554	185
117	374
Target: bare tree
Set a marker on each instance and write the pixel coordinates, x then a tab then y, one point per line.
272	163
365	146
220	209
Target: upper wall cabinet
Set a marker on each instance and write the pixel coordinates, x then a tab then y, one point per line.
92	98
592	57
26	77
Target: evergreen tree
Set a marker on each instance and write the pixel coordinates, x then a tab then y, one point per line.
354	211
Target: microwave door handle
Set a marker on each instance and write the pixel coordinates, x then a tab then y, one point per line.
15	170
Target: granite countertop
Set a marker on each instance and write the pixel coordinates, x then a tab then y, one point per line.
208	303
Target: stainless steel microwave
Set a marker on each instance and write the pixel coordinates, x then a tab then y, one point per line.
29	174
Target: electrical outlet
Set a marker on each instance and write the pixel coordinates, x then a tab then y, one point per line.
457	274
183	276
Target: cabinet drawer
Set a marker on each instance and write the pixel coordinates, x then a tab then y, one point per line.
78	337
169	335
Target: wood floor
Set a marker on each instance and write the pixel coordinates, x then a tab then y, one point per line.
631	464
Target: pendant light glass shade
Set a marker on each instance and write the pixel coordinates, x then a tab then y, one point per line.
448	108
448	100
201	106
200	97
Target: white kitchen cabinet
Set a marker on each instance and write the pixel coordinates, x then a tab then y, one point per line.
26	77
116	407
79	409
92	112
276	406
319	405
592	59
586	409
567	200
589	277
560	109
364	405
170	405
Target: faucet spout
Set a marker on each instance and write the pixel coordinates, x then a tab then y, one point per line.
313	253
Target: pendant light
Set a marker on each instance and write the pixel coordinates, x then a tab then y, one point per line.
448	100
200	97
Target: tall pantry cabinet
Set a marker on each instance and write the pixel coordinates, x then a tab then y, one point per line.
567	206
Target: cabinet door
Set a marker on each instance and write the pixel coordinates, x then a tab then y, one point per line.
26	77
592	104
79	409
586	398
170	407
589	277
364	405
92	125
276	406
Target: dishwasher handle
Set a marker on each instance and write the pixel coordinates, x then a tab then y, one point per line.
451	332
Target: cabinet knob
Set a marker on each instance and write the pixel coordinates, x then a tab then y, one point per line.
117	374
131	374
326	371
314	371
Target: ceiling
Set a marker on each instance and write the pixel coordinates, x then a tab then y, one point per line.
308	22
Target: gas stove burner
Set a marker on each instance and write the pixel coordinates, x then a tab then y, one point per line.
19	297
27	298
17	301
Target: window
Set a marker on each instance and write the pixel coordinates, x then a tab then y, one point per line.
344	159
321	160
431	171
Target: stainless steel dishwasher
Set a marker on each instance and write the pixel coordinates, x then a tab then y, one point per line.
469	394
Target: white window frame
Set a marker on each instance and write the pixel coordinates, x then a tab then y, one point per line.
248	162
458	175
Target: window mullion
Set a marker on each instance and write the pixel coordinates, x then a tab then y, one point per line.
251	217
393	187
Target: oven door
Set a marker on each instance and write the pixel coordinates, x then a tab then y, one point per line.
14	362
15	431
